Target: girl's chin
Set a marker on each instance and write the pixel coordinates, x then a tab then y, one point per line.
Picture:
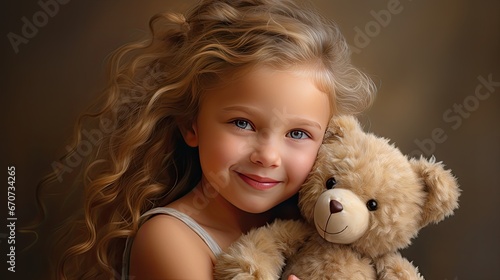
254	208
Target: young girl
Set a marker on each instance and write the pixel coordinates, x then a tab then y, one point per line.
208	129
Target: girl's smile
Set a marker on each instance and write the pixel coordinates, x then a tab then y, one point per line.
257	182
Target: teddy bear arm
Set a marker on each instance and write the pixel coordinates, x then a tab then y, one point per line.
393	266
261	253
289	235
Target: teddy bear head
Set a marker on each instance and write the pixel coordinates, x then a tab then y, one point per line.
364	192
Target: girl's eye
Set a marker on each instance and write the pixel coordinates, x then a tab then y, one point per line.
243	124
297	134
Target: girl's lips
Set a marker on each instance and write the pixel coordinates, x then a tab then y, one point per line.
257	182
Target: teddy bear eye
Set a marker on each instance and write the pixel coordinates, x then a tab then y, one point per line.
330	183
372	205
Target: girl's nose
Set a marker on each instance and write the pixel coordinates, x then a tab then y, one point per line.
266	155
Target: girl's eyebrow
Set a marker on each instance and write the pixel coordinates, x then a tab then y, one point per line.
305	122
241	108
280	117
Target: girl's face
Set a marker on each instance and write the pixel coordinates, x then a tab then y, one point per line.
258	136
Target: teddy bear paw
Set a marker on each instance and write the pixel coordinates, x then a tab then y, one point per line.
396	267
241	268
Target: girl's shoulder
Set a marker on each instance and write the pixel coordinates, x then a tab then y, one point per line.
165	247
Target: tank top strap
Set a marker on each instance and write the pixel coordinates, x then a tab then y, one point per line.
192	224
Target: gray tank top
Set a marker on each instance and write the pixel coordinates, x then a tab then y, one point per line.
214	247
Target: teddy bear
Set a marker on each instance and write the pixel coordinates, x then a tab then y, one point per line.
362	202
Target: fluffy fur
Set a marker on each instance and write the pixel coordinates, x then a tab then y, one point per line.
398	197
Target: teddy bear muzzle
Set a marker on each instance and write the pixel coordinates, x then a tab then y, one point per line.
340	216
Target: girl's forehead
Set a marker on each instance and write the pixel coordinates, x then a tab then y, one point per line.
272	82
265	89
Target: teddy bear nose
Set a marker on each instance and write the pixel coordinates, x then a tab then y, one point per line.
335	207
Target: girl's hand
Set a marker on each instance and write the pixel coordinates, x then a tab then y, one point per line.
293	277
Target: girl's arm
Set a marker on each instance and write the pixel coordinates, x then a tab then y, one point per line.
165	248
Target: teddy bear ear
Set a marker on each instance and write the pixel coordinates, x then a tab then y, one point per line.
441	187
338	126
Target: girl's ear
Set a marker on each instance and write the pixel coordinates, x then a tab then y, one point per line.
190	134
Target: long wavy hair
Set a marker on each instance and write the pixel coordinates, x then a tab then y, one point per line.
138	159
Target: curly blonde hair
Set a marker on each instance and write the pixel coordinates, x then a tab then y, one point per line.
140	160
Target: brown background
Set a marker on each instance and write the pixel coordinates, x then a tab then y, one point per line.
426	60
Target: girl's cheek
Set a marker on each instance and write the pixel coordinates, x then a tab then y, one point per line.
302	161
232	148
